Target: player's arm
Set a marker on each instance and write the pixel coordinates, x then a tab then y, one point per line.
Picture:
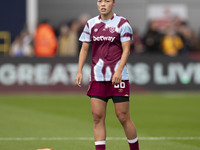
117	77
82	57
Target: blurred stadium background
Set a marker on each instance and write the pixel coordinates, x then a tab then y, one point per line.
39	105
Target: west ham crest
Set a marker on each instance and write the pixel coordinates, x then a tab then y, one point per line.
112	29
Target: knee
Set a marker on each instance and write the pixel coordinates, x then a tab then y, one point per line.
97	118
123	117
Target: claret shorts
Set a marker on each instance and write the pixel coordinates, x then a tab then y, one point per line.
104	90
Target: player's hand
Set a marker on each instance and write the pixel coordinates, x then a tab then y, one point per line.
78	79
117	78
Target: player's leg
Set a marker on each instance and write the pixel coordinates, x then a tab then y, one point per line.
98	107
96	91
122	112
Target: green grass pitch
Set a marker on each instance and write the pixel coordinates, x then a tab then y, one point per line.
164	121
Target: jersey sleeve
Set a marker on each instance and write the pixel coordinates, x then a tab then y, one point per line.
126	33
85	36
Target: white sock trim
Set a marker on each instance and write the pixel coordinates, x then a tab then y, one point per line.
133	140
100	142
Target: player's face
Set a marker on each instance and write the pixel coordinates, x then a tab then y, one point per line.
105	6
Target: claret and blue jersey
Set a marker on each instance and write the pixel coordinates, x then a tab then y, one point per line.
106	37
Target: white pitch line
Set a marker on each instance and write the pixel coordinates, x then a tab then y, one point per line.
92	139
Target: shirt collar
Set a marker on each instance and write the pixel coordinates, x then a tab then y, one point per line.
108	19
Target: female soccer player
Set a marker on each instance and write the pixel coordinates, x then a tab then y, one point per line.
110	36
